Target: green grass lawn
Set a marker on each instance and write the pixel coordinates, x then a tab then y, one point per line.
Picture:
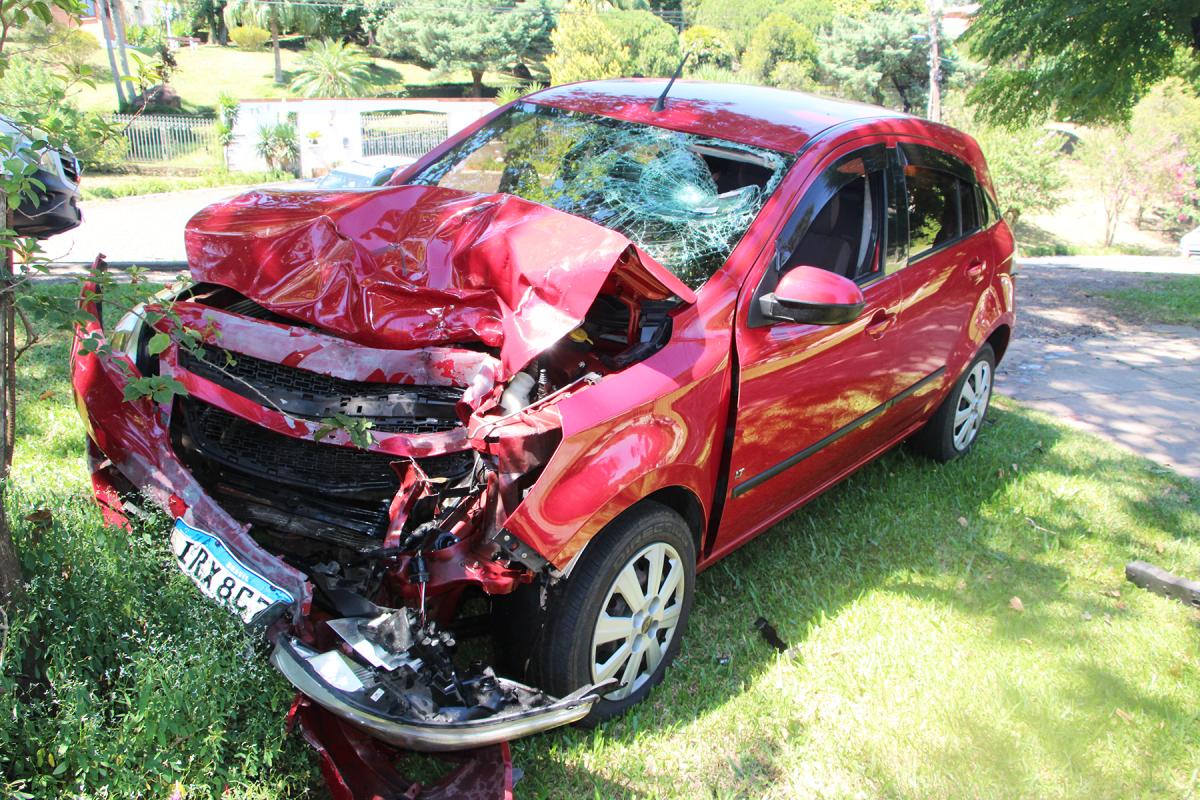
910	673
209	70
1171	299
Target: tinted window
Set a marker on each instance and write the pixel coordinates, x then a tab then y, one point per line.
845	235
932	208
969	207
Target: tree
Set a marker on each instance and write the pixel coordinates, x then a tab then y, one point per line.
590	45
1083	62
780	40
331	68
585	49
472	34
883	58
653	45
740	18
19	144
1111	166
1026	167
708	47
210	14
276	16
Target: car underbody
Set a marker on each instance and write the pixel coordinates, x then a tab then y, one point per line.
357	427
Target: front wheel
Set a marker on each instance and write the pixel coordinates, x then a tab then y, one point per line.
955	425
621	613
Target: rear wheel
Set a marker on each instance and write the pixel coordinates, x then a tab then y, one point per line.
621	613
954	427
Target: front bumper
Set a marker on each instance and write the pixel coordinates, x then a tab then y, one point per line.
293	660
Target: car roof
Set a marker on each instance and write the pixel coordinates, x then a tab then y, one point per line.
755	115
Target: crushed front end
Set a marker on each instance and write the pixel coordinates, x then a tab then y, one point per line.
368	392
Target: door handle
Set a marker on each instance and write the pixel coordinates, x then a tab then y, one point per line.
976	269
880	322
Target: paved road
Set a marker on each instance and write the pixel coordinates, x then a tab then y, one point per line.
137	229
1133	383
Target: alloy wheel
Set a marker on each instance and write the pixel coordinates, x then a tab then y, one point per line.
638	619
972	404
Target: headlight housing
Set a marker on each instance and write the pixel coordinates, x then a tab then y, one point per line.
131	333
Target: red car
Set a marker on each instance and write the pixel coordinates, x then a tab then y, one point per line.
580	351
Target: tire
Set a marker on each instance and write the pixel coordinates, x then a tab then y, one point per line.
563	655
955	425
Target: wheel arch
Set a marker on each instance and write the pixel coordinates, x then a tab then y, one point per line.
999	339
680	499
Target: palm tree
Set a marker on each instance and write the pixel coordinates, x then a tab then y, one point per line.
332	68
276	16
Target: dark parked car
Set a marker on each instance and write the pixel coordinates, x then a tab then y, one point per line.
598	345
54	208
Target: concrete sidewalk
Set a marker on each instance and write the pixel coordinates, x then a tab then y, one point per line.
1140	389
1136	385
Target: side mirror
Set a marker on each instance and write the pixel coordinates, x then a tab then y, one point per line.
813	296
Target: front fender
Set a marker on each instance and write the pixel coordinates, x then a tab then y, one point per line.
655	425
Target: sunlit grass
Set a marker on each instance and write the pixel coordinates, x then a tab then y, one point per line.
1172	299
909	673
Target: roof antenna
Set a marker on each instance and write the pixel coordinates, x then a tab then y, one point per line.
661	102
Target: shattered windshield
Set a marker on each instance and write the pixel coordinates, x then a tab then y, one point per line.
684	199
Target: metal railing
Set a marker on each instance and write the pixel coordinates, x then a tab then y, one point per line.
154	138
402	134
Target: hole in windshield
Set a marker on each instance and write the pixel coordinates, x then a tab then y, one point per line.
686	200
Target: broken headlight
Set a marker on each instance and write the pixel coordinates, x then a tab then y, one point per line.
134	330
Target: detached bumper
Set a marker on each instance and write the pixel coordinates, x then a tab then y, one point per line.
352	701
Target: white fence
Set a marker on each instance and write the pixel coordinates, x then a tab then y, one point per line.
387	133
155	138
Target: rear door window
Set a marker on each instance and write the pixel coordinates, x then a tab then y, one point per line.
932	209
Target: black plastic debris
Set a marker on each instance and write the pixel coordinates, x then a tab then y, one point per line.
770	635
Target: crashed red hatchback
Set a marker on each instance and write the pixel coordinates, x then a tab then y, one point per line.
581	350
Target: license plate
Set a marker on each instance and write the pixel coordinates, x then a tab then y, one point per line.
207	561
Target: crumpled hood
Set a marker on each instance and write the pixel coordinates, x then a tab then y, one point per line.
408	266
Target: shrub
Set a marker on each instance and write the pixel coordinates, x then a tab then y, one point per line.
332	68
28	85
278	146
793	75
137	685
588	45
585	49
652	44
708	46
148	36
708	72
75	47
509	94
779	39
227	114
249	37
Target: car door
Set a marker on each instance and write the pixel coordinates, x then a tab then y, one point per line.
950	261
810	398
